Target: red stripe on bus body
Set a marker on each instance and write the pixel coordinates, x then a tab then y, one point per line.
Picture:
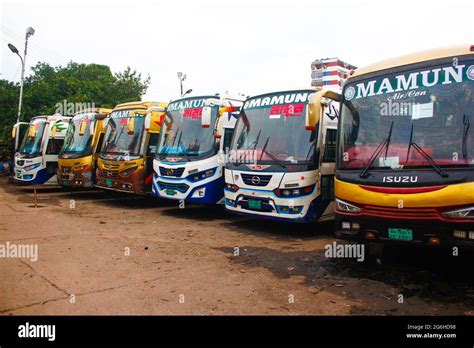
404	190
148	179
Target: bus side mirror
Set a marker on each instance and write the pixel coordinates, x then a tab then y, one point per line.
206	117
131	125
82	127
315	105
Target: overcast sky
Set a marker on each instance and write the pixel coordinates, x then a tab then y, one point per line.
252	47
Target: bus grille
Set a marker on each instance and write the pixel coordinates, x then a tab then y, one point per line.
110	166
173	186
176	172
256	180
403	213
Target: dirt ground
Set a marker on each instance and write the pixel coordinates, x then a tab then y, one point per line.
115	253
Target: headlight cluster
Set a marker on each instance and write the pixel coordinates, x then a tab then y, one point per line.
465	213
346	207
232	187
31	167
294	192
128	171
79	168
202	175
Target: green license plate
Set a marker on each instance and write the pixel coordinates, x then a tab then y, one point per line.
255	204
170	192
108	182
400	234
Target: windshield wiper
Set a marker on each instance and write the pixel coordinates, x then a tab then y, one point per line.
264	150
165	153
467	126
428	158
378	150
256	141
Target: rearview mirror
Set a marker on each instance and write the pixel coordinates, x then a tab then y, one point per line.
91	127
32	131
154	119
131	125
82	127
314	108
206	117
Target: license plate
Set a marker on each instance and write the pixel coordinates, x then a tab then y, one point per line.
253	204
170	192
400	233
108	182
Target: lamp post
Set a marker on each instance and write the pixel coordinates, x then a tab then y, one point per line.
181	78
29	32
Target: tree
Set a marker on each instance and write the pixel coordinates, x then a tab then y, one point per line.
75	83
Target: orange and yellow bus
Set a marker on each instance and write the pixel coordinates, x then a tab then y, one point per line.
126	160
405	156
78	157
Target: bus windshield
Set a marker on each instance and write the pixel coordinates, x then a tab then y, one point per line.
420	117
31	145
76	144
117	139
271	129
182	133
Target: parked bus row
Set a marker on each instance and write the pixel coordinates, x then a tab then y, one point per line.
390	157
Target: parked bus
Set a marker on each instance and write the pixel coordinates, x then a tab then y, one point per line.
78	157
36	160
125	162
405	159
196	132
283	157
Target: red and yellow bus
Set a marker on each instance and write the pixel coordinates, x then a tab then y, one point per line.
405	157
126	160
78	157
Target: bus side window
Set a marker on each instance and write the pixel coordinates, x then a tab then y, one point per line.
54	146
99	142
228	132
152	144
330	146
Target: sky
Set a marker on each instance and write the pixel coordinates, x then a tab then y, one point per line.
240	46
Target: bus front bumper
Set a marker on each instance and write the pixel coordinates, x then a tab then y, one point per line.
414	232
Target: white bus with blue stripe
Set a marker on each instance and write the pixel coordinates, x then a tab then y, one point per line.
36	160
284	152
188	165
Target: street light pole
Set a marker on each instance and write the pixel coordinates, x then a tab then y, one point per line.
29	32
181	78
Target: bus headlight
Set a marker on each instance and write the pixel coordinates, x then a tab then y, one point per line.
33	166
295	192
202	175
128	171
232	187
466	213
346	207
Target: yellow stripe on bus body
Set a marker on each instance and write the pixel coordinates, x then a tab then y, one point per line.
451	195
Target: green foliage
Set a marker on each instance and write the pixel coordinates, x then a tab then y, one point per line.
75	83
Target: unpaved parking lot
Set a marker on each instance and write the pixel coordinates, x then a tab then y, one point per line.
111	253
